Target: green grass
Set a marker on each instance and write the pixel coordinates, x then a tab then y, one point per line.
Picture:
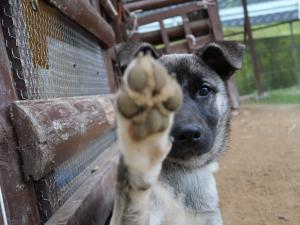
276	31
282	96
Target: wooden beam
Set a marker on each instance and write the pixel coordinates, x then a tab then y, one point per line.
164	35
187	8
109	8
112	74
188	32
217	30
82	12
233	93
183	47
153	4
251	43
214	18
199	28
50	131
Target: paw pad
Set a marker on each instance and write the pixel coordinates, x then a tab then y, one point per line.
126	105
137	79
148	97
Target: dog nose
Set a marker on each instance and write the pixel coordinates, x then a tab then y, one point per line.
187	132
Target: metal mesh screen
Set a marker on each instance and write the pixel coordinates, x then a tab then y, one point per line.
58	186
52	56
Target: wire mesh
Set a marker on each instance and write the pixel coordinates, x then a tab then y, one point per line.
52	56
54	189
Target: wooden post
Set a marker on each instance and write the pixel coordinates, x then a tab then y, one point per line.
216	26
188	32
251	43
165	37
295	53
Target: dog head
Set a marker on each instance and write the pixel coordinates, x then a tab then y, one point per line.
201	125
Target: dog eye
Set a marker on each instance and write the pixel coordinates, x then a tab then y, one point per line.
205	90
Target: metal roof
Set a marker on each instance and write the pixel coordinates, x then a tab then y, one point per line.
261	12
233	3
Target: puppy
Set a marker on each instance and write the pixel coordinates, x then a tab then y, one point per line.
173	116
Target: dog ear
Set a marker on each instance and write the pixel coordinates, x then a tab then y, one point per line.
126	51
224	57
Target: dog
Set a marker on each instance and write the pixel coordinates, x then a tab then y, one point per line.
173	118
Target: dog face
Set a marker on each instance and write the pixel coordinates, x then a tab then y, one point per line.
200	129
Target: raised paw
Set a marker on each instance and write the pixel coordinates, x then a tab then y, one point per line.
148	97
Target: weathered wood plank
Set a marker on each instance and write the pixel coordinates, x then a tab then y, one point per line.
187	8
188	32
213	15
109	8
200	27
50	131
154	4
164	36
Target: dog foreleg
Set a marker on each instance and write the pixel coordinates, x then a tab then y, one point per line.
145	108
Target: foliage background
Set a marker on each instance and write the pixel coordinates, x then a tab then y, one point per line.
278	57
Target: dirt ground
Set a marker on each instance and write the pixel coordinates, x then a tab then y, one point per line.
259	177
